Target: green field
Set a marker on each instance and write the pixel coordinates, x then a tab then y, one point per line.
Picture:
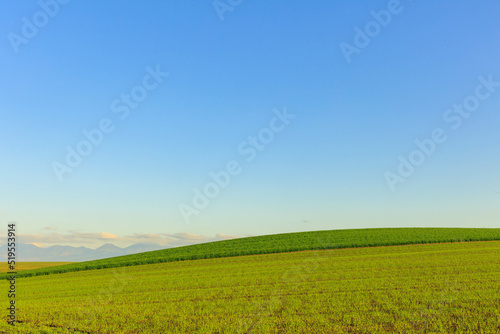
281	243
438	288
32	265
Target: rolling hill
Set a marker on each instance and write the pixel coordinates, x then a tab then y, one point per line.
281	243
425	288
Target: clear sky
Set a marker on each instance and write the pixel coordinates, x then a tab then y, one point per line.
310	108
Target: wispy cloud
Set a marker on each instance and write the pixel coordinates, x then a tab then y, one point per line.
225	236
98	236
188	236
37	244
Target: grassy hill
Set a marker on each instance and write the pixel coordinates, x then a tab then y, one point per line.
281	243
435	288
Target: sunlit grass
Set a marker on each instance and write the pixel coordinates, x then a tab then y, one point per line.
31	265
439	288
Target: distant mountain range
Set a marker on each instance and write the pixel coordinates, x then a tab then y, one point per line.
32	253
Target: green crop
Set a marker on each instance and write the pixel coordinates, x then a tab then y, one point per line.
281	243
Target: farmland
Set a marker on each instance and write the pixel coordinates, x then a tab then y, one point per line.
280	243
32	265
424	288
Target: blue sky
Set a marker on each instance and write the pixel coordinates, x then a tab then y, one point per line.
352	117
